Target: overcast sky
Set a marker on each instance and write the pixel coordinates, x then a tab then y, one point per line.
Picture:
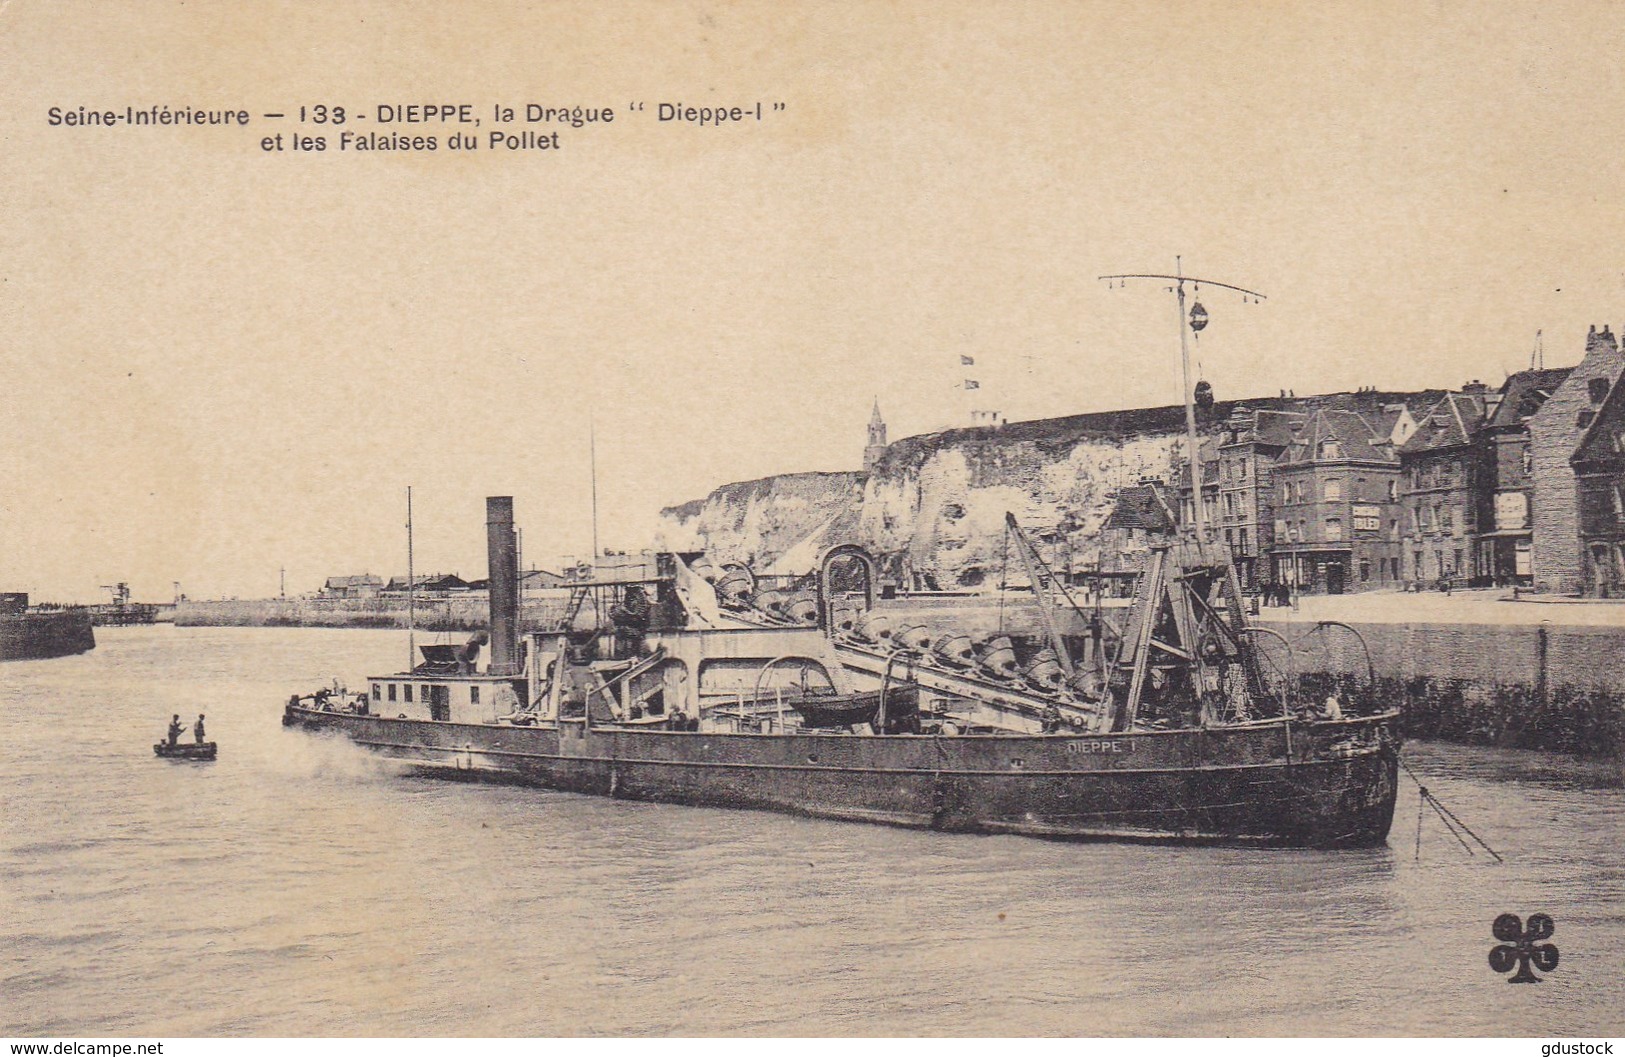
217	361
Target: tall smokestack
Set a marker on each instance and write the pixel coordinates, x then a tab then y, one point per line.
503	552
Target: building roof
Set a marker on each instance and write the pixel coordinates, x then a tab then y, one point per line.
335	583
441	581
1451	423
1354	435
1523	393
1274	428
1141	506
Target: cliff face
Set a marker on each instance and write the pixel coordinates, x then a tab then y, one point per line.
934	507
942	513
768	523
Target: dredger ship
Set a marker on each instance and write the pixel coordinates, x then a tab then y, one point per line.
700	688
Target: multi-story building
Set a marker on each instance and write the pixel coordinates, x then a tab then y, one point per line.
1599	470
1248	448
1554	435
1237	500
1443	478
1336	504
1505	540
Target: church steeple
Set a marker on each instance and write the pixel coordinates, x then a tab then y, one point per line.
877	439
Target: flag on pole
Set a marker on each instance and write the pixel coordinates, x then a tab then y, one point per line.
967	361
969	384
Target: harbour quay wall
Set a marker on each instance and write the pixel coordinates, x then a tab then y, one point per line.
1539	686
460	614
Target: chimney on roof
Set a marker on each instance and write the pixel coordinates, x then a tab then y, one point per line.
1604	338
1475	386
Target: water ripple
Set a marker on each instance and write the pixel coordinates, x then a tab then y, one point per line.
300	886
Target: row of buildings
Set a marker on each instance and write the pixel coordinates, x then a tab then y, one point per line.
1521	485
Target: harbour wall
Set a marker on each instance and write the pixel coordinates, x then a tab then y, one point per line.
463	614
31	636
1512	685
1527	685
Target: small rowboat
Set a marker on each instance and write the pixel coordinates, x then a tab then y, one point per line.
181	751
902	701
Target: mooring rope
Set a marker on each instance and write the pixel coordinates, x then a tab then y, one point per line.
1448	817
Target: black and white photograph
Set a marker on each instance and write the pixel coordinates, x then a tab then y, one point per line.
756	520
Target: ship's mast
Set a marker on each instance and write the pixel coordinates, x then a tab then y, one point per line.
592	469
411	592
1198	320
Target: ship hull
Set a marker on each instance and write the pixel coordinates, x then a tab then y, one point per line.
1334	786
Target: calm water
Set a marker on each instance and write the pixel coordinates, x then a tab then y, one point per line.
298	886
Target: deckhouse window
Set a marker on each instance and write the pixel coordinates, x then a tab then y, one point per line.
406	690
473	695
392	691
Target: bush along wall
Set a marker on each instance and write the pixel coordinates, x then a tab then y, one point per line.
1565	719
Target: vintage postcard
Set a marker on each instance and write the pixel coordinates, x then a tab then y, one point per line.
751	519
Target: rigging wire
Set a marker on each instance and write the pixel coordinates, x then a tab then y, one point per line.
1448	817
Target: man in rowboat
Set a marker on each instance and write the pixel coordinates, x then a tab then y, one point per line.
197	730
175	729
